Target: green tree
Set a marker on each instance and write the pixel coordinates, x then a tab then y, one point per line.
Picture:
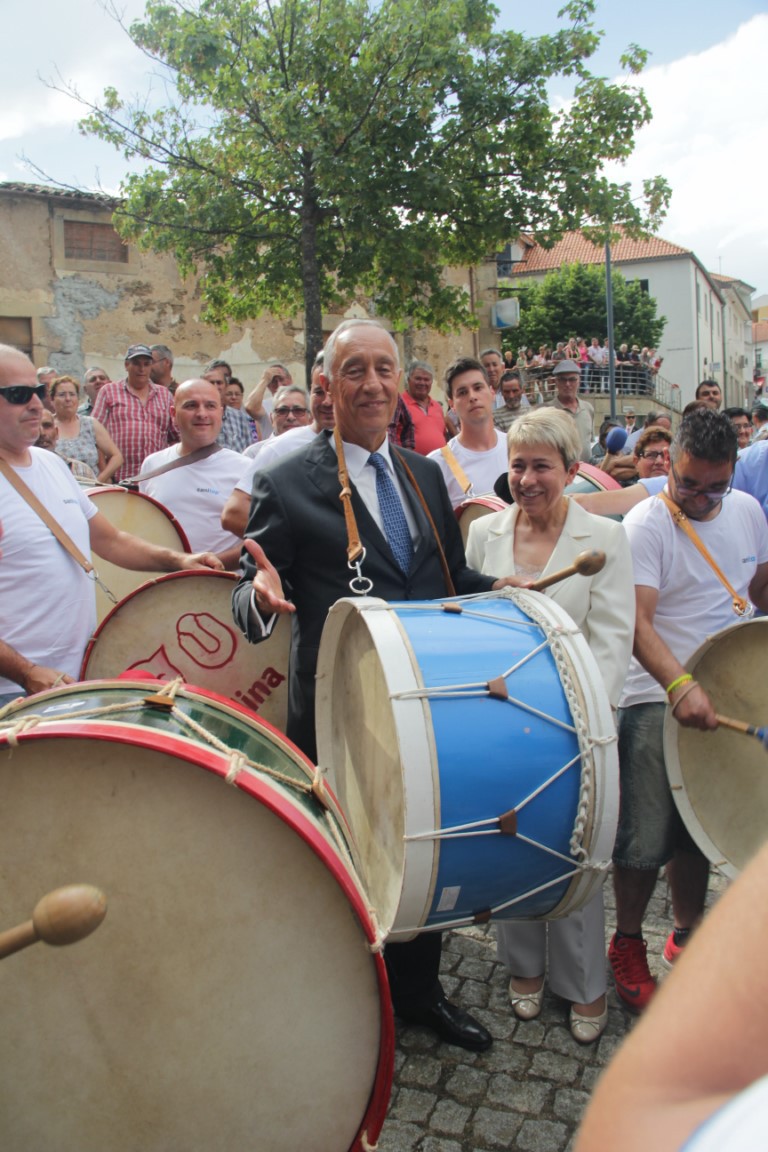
316	149
571	302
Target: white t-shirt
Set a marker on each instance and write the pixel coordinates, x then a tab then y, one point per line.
196	494
692	604
47	603
289	441
482	468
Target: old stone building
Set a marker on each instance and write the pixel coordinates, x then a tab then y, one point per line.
73	295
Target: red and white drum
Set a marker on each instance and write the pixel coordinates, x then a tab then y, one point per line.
234	997
180	624
141	516
471	510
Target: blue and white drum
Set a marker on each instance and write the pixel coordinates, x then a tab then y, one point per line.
472	749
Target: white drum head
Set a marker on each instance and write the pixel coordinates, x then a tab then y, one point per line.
180	624
719	779
229	1002
141	516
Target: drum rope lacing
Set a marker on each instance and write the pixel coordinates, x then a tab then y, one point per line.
587	743
11	730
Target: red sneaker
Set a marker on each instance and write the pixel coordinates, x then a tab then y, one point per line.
671	951
634	984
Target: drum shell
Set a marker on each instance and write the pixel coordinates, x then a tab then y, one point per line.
180	624
405	767
719	779
235	959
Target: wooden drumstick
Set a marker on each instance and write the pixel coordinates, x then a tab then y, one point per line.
585	564
760	734
61	917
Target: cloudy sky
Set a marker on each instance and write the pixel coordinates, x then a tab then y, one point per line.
705	82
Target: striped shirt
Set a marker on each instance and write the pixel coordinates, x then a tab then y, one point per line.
137	429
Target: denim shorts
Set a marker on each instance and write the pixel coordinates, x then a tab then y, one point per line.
650	827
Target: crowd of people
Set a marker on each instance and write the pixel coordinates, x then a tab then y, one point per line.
635	367
265	482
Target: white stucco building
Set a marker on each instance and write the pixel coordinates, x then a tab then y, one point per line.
708	333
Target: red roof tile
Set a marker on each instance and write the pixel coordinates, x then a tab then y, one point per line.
575	248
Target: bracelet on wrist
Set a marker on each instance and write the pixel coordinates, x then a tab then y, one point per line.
684	679
688	688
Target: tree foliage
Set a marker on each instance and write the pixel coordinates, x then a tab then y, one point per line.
315	149
571	302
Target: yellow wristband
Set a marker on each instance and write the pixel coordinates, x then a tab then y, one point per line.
684	679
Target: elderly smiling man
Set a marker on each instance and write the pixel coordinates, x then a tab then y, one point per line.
296	561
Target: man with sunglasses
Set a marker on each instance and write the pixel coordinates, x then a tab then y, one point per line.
679	599
37	574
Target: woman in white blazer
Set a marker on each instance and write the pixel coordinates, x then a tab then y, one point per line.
542	532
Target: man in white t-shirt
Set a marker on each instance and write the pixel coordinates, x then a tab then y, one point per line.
47	602
236	510
472	461
679	598
197	491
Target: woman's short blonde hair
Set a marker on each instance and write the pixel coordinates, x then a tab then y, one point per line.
547	426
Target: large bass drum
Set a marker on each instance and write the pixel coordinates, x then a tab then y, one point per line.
473	751
234	999
719	779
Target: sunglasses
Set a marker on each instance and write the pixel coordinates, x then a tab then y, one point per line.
714	495
22	393
294	410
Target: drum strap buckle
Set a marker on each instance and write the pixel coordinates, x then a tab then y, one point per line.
359	584
107	591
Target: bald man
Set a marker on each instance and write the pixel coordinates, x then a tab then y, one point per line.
197	475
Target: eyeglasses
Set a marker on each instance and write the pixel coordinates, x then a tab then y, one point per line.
294	410
713	494
654	455
22	393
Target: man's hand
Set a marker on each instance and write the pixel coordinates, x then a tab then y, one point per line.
267	585
510	582
39	679
201	560
695	708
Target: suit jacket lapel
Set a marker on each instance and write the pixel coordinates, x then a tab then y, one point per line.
323	471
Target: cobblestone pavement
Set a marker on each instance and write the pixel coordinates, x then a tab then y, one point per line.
528	1091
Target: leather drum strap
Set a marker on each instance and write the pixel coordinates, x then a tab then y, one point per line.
354	546
54	527
459	474
740	605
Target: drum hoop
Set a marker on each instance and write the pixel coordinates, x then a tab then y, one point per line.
106	488
674	767
163	578
306	826
412	723
604	480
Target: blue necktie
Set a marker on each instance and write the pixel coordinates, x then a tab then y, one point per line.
392	514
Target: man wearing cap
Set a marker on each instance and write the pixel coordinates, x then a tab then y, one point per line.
567	378
137	413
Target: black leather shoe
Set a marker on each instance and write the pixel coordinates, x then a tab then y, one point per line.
452	1024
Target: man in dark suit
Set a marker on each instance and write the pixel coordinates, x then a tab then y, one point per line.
296	561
